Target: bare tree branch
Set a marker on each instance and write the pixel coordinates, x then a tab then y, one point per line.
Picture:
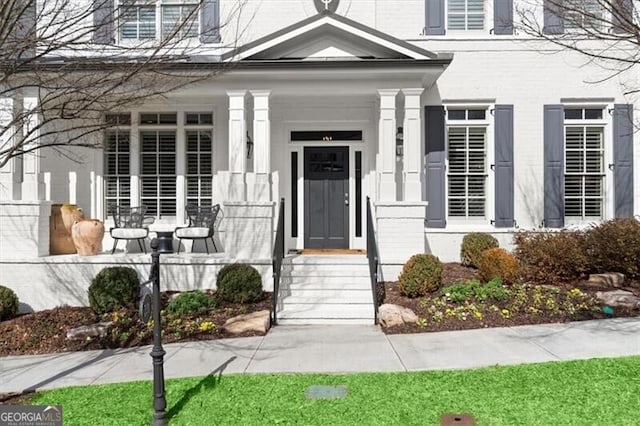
80	64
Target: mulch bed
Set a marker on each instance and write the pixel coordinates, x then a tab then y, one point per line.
46	331
457	273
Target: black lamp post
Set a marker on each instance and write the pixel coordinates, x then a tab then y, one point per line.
162	244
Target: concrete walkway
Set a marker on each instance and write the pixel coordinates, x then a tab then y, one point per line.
330	349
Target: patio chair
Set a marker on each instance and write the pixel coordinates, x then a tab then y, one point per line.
202	220
130	224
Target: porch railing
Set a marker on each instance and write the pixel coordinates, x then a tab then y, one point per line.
372	256
278	255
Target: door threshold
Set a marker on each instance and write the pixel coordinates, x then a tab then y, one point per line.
330	251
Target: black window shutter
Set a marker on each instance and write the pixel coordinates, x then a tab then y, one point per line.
210	21
553	166
622	16
503	17
553	22
504	194
436	154
434	19
103	21
623	160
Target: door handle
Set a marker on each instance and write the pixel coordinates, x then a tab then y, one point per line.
346	198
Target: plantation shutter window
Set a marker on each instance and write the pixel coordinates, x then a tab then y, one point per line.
467	168
465	14
158	164
623	130
503	17
117	170
434	10
503	168
584	172
199	159
103	21
435	165
583	14
137	20
179	21
210	21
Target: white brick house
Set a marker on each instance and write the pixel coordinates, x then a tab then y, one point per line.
449	120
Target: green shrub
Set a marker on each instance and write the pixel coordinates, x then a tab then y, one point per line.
421	275
239	283
551	257
498	263
614	246
113	288
473	289
473	245
191	303
8	303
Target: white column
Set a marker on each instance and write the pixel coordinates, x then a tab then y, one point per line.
261	145
11	173
412	158
32	185
73	187
237	145
386	164
181	161
134	161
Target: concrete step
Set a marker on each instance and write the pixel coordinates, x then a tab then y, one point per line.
300	313
325	272
325	297
333	260
324	285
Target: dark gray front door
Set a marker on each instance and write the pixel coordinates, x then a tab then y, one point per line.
326	197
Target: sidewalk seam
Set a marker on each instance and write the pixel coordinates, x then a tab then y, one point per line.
556	356
253	355
393	348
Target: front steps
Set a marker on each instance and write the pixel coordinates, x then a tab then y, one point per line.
325	289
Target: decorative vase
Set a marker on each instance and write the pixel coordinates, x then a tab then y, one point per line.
87	236
71	213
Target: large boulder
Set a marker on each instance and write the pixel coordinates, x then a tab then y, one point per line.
93	330
256	321
390	315
619	298
608	279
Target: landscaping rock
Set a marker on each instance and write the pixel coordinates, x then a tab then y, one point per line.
255	321
390	315
619	298
608	279
94	330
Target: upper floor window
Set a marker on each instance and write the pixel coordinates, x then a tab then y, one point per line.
583	14
465	14
146	19
479	16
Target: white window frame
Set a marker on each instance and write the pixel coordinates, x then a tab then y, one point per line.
582	8
159	20
607	181
200	177
465	15
119	129
487	124
158	129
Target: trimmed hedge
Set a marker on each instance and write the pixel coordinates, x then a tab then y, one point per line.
421	275
239	283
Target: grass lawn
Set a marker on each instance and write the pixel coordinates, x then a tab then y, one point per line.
593	392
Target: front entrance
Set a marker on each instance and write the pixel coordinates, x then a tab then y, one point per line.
326	197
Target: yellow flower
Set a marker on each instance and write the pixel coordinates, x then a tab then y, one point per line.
206	326
478	314
505	313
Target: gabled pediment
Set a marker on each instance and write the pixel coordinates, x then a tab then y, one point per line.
327	36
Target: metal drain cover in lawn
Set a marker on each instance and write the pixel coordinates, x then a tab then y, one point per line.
326	392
